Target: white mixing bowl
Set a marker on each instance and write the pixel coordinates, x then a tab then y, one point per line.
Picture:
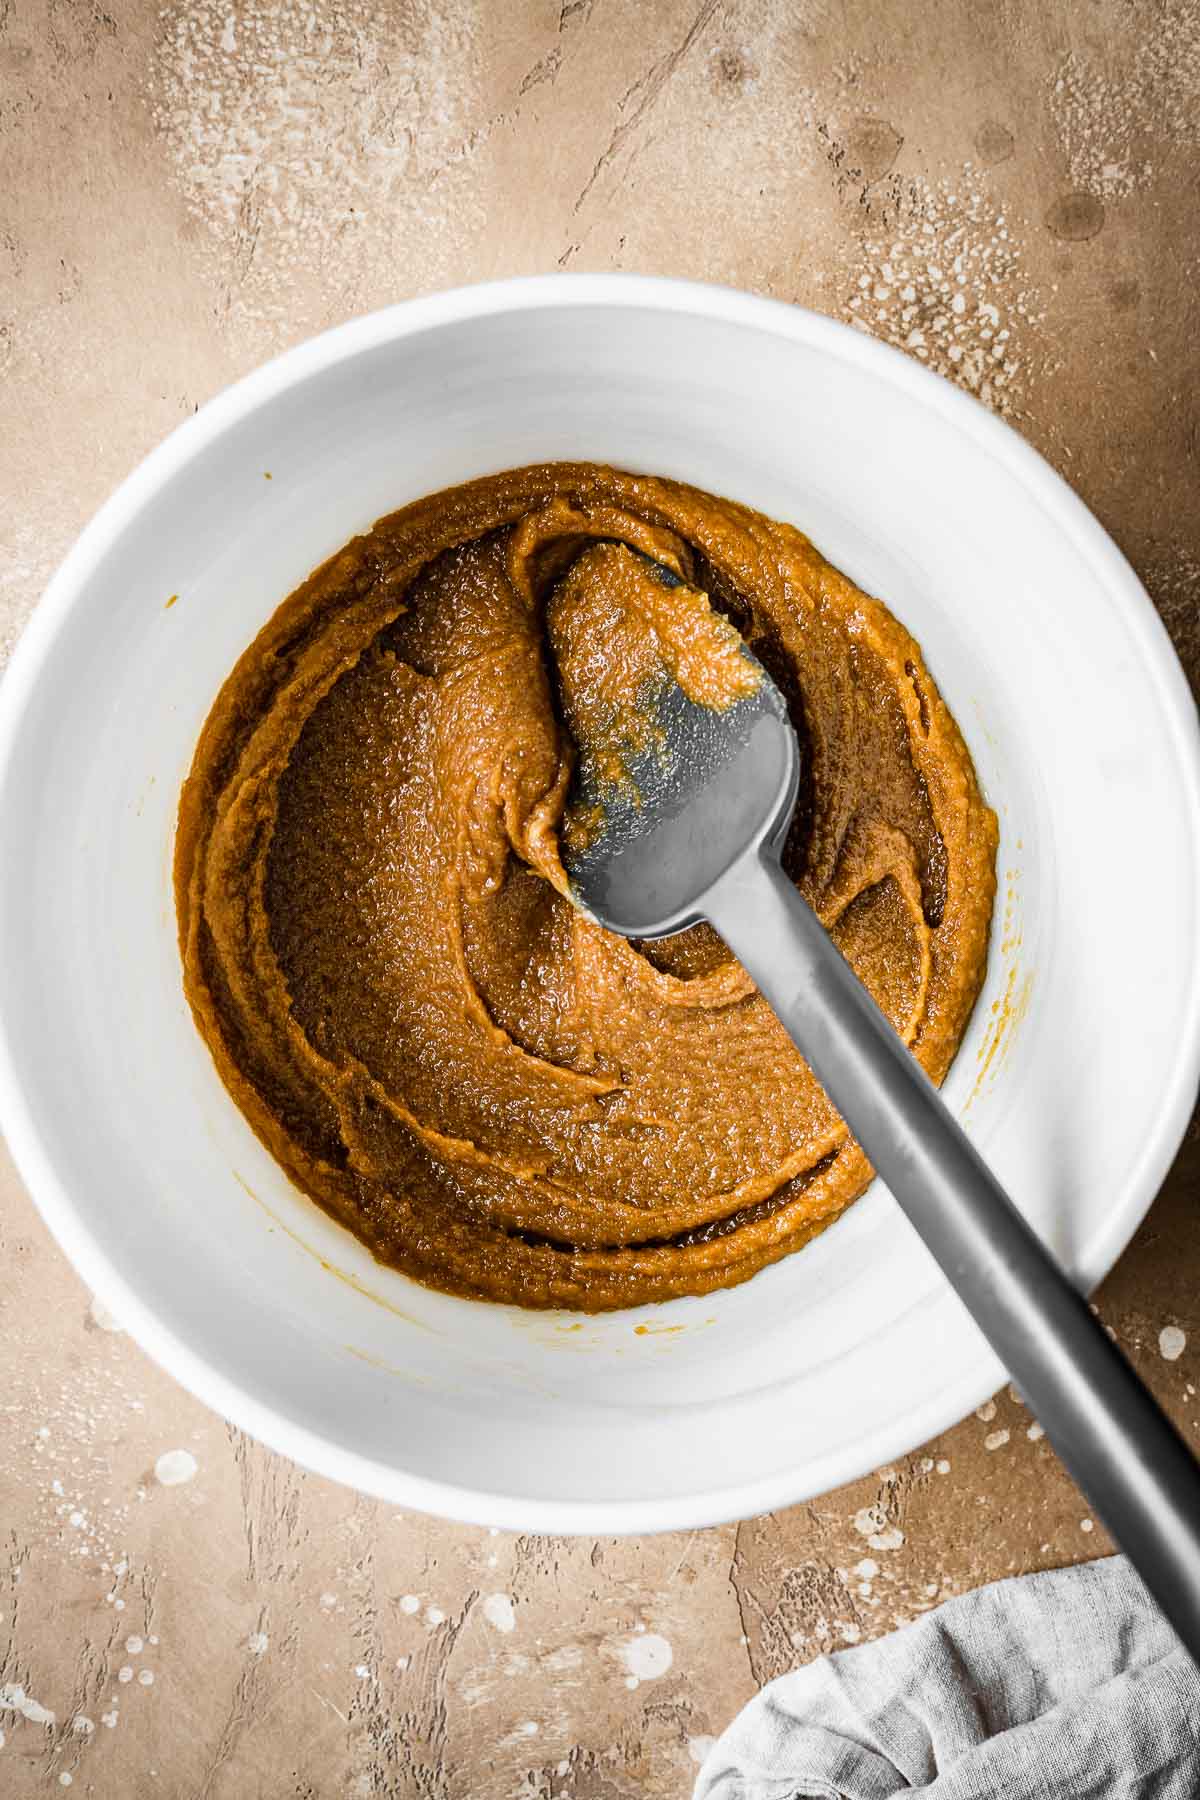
1076	1076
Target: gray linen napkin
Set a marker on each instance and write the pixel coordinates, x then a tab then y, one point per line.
1064	1686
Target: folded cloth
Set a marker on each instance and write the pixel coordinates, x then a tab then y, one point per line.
1063	1686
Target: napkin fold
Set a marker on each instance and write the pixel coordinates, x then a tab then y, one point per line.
1062	1686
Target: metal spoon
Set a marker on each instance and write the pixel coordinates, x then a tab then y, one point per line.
697	834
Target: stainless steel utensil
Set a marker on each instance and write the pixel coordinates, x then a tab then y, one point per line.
697	834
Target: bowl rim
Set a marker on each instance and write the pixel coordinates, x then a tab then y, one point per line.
725	1500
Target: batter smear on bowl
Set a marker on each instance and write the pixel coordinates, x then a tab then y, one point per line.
496	1095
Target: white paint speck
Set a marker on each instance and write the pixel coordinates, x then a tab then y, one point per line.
529	1728
329	1601
82	1726
631	1682
871	1522
13	1698
942	1466
408	1603
258	1643
174	1467
1172	1342
867	1569
100	1316
110	1719
147	1677
699	1747
1035	1432
996	1440
65	1779
134	1646
647	1657
362	1671
434	1615
75	1520
498	1611
1086	1525
986	1413
125	1673
402	1663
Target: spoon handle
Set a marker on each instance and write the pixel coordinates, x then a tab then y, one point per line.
1110	1432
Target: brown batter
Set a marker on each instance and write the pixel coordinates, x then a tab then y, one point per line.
496	1095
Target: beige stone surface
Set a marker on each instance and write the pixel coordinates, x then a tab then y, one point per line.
185	189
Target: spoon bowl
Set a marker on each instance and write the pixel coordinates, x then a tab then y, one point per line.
716	785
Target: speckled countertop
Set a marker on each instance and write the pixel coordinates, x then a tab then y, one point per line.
185	190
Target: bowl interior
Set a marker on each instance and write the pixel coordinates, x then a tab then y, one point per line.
1070	1075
